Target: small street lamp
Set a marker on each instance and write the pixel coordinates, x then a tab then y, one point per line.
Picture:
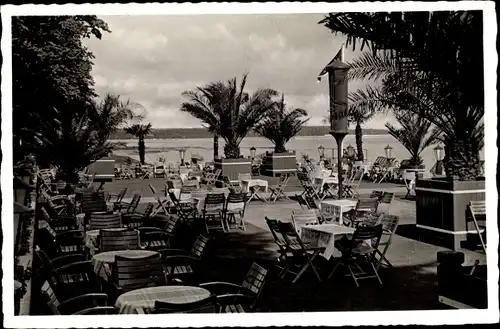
350	151
252	152
388	151
321	151
182	154
439	155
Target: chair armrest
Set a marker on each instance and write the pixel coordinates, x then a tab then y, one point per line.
98	310
67	259
234	299
79	264
168	252
91	299
221	288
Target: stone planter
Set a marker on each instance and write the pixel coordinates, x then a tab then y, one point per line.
275	164
232	167
441	210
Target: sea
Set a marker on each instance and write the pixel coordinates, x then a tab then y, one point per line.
372	144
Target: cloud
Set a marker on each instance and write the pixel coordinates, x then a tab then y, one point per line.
153	59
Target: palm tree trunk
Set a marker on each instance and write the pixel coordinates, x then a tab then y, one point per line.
359	141
142	150
231	151
462	160
216	146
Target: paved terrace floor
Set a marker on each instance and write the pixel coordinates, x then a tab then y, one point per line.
410	285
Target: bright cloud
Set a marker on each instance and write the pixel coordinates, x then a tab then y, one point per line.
153	59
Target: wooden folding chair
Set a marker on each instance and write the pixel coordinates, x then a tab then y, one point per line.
389	226
211	178
365	212
137	219
305	251
282	261
351	188
99	221
131	206
119	198
213	211
357	250
184	209
278	191
385	202
234	210
410	188
477	210
138	272
163	205
304	217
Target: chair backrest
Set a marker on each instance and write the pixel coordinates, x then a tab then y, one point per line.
121	194
100	221
135	273
214	199
206	305
389	223
304	217
357	177
385	202
119	240
255	279
235	201
199	246
171	224
149	210
387	197
93	202
134	203
367	204
50	297
364	233
292	238
274	227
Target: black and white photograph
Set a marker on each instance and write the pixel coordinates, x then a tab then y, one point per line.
294	163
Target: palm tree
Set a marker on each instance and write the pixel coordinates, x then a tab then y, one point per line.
140	131
359	113
232	113
281	125
203	104
416	133
440	53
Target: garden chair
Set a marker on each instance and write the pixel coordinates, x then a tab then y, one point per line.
184	209
137	219
156	238
71	272
304	217
60	244
131	206
228	184
59	223
99	221
385	202
477	211
234	210
211	178
282	261
163	205
206	305
118	197
410	188
305	252
365	212
138	272
351	188
126	239
384	169
181	266
278	190
87	304
389	226
357	249
375	169
213	211
233	298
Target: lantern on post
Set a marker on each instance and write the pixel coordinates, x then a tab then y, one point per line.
182	154
350	151
388	151
439	155
321	151
338	90
252	152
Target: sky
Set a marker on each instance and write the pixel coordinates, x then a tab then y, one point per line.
151	60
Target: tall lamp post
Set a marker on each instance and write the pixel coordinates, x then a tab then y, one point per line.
338	88
321	151
438	153
182	154
252	152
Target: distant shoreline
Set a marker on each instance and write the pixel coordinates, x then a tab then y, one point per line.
193	133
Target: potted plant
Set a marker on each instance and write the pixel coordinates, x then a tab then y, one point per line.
281	125
230	113
417	76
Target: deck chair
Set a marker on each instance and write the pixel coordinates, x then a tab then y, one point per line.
233	298
206	305
357	251
305	251
304	217
163	205
389	226
278	190
126	239
477	211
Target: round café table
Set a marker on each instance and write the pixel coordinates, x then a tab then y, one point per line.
102	260
142	301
